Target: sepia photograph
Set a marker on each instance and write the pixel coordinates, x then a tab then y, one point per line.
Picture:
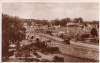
50	32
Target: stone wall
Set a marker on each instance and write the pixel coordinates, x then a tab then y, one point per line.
77	51
74	49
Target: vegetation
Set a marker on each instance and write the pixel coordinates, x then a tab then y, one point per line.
94	32
12	31
61	22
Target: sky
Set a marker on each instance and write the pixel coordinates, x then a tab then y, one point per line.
52	10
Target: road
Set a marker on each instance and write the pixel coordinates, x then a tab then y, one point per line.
62	47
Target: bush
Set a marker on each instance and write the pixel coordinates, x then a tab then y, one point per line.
84	36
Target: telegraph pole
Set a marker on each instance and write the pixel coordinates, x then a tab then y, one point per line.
75	31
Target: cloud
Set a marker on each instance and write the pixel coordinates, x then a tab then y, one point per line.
47	10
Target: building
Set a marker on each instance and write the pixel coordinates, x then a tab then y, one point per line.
71	24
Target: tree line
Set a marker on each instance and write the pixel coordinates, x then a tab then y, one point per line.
61	22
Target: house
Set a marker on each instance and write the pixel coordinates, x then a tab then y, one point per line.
56	27
87	29
71	24
12	47
25	25
44	27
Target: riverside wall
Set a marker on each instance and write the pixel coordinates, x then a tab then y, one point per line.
81	50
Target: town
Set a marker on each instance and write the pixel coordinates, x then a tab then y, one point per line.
65	40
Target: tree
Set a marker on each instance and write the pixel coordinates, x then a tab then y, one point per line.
94	32
56	22
37	39
29	23
12	31
44	22
78	20
64	21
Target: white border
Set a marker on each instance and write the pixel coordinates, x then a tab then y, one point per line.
0	31
75	1
49	0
